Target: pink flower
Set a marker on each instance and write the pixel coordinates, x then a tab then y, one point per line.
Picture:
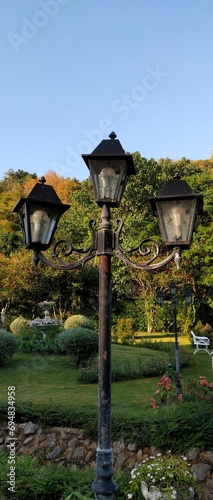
153	403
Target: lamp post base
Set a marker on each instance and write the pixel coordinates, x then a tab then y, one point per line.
104	485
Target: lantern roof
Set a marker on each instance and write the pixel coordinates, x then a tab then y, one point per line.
40	194
111	149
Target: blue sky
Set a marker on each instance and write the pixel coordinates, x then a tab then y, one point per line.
74	70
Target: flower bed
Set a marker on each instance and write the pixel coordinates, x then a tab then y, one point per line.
162	477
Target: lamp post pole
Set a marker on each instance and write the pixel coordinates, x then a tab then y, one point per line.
177	351
39	213
104	486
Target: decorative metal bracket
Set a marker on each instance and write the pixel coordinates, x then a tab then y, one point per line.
64	248
101	238
147	266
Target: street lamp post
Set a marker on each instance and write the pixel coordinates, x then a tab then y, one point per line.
174	301
39	213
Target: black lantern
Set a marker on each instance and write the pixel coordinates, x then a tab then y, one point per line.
39	215
188	296
109	168
176	207
160	297
173	288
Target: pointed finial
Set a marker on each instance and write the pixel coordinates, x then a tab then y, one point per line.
112	135
177	176
42	180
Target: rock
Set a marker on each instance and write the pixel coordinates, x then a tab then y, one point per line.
72	443
8	439
207	493
118	446
139	454
201	471
30	428
78	453
50	441
132	447
121	459
28	440
54	453
207	456
193	454
65	435
40	432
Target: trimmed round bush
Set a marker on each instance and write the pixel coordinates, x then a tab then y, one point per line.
18	324
80	343
8	345
78	320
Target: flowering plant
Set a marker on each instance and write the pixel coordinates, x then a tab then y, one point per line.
163	395
169	473
44	321
201	388
46	303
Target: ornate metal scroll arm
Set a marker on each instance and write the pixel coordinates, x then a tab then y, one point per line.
64	248
146	266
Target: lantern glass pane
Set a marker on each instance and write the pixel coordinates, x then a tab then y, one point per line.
177	220
24	225
122	184
188	297
106	177
160	298
173	288
42	224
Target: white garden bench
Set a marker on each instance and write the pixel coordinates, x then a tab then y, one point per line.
201	343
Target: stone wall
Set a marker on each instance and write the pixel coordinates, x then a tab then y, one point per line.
69	446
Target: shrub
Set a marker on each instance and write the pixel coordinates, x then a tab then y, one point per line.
18	324
35	342
80	343
8	345
78	320
186	359
149	368
38	480
125	330
203	331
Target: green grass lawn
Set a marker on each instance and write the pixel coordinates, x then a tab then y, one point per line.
52	380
